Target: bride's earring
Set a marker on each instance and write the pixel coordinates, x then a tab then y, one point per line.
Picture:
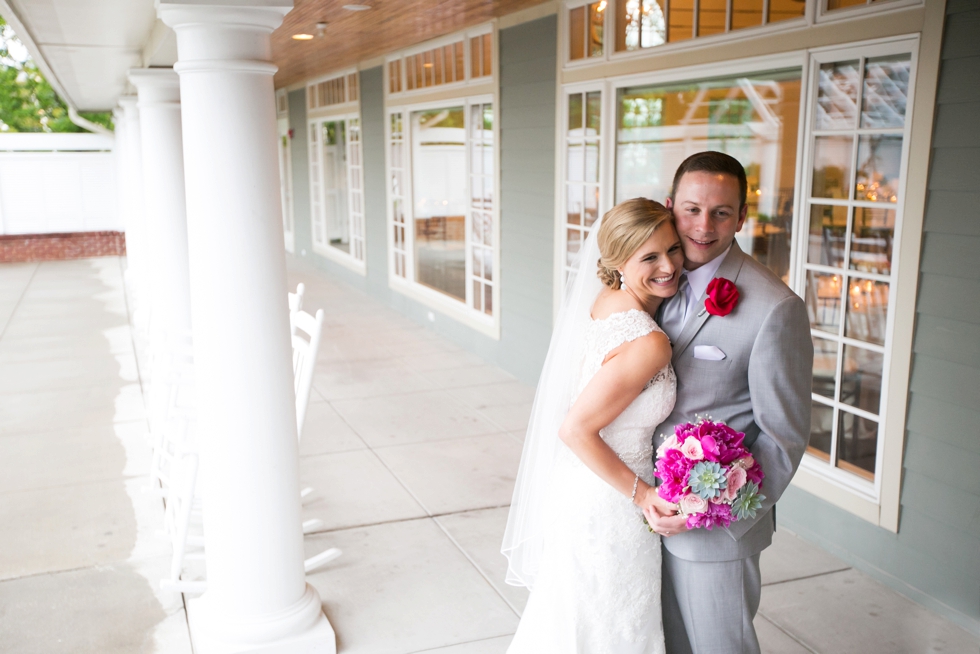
622	280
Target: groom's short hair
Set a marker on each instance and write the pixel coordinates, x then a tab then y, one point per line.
710	161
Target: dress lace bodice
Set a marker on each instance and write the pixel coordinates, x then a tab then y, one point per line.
630	435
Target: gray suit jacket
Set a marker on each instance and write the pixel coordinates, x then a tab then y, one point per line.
761	388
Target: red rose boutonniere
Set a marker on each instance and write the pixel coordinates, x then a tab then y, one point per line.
722	297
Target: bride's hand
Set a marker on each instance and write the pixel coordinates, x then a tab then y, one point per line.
647	498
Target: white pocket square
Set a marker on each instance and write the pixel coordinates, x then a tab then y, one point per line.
708	353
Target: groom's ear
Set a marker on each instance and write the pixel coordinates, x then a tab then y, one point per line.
743	212
669	203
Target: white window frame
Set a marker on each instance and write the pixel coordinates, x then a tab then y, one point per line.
355	185
609	53
824	15
461	311
286	183
867	497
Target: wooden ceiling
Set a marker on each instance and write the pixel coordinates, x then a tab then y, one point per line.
354	36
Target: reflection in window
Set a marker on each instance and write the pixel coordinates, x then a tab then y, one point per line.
443	233
842	4
754	118
649	23
439	191
856	170
585	36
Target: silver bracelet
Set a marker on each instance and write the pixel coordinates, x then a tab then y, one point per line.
636	480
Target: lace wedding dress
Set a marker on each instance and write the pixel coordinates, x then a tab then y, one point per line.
598	588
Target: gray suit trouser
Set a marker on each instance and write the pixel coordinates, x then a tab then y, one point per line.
709	606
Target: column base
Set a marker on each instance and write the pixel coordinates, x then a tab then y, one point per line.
214	636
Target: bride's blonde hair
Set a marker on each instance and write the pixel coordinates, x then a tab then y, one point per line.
624	229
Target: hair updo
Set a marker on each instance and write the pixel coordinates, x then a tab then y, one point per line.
624	229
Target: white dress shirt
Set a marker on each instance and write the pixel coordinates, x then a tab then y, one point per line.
698	281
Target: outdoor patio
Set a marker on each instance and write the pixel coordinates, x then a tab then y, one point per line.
411	445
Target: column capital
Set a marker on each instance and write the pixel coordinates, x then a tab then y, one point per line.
221	34
156	86
128	103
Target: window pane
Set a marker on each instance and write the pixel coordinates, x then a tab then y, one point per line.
825	367
886	89
754	118
837	95
334	153
823	298
576	33
828	227
487	54
867	310
879	165
575	115
591	205
487	255
488	300
746	13
680	25
592	162
595	35
574	240
439	185
785	9
574	204
860	378
871	240
711	17
641	24
593	111
832	166
857	445
576	162
821	430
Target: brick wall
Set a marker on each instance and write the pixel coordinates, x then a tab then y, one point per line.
52	247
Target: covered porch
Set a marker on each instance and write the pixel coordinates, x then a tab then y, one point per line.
411	444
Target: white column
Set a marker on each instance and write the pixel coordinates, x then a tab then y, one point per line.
164	209
132	184
257	597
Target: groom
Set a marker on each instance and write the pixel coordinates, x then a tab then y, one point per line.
748	363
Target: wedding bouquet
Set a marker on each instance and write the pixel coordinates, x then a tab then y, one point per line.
706	470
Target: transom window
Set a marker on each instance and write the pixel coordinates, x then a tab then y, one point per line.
337	188
463	59
442	168
640	24
334	91
857	132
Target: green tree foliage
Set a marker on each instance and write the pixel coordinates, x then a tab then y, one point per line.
27	101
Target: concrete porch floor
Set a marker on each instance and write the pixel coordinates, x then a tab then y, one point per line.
411	445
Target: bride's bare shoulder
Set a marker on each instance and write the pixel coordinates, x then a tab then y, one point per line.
612	301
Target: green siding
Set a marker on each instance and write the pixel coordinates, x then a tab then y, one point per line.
527	161
934	556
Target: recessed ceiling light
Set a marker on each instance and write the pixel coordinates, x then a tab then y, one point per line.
302	37
357	7
426	65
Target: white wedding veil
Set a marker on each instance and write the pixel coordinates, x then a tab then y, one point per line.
557	389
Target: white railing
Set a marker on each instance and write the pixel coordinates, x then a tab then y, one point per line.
51	183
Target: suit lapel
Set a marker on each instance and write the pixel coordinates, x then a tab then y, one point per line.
728	269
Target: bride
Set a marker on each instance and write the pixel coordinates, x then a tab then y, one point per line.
575	534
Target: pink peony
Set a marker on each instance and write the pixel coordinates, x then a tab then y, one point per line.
692	449
716	515
692	503
710	448
669	444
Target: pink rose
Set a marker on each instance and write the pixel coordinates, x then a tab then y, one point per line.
692	503
692	449
736	479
